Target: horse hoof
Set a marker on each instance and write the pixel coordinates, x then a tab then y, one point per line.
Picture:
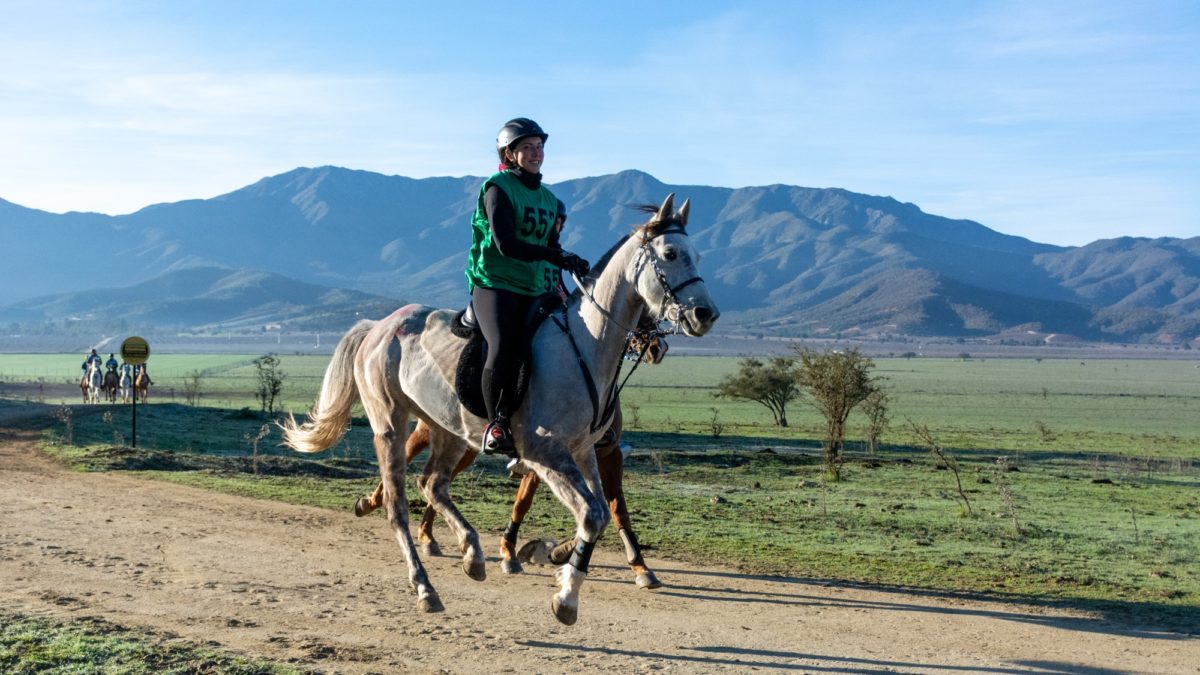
559	555
648	580
431	604
431	549
536	551
511	566
476	569
565	614
362	507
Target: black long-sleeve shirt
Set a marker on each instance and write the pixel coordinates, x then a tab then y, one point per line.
503	223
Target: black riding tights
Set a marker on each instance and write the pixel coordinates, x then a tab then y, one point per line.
503	319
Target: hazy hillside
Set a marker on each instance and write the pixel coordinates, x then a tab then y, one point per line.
779	259
204	297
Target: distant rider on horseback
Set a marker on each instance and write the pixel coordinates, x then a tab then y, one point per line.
93	357
513	260
139	369
111	363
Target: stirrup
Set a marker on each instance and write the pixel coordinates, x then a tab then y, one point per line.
497	440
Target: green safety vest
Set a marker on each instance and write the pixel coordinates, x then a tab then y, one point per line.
534	212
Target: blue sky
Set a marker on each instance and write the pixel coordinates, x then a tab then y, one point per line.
1064	122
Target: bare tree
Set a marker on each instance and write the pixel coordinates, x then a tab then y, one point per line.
191	386
837	382
923	434
771	383
270	381
875	407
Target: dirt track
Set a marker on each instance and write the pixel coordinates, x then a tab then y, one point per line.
327	591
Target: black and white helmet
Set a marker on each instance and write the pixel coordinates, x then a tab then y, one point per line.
516	129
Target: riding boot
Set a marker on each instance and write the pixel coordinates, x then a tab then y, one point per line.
497	435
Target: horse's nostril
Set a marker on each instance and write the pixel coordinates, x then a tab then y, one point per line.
703	314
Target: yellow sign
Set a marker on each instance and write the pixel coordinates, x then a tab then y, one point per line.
135	350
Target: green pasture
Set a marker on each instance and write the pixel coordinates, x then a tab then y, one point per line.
1120	407
1139	408
1080	477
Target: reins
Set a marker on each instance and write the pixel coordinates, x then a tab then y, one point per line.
600	418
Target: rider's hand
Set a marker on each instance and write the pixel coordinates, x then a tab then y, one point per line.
574	264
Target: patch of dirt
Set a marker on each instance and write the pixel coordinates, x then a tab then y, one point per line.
327	591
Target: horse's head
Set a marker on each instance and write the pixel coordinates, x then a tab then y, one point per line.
668	278
647	343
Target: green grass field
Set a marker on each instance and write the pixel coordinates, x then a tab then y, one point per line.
1081	475
1137	408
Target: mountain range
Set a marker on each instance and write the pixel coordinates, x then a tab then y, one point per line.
316	247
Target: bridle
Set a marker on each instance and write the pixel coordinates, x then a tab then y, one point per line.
602	415
674	312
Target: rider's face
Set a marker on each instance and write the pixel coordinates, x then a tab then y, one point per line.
528	153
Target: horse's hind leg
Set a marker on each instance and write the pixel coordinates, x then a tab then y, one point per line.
367	504
429	545
392	467
448	456
416	442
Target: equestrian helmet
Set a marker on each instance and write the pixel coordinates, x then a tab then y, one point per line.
516	129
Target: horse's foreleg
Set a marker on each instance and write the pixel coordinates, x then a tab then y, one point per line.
509	564
572	484
392	468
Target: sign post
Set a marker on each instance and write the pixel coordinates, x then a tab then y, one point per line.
135	351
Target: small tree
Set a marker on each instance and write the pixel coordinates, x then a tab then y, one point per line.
836	383
771	383
939	453
875	407
270	381
191	386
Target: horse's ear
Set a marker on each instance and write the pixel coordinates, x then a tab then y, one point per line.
682	214
667	208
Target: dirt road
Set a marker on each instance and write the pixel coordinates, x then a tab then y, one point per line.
326	591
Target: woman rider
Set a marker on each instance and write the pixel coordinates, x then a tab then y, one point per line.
515	257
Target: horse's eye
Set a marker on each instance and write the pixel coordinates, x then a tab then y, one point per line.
670	254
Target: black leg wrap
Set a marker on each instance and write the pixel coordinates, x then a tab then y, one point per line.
510	533
582	555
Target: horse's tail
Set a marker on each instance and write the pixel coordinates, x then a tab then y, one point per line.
330	415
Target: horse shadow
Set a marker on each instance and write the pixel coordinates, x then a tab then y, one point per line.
792	591
1127	619
741	658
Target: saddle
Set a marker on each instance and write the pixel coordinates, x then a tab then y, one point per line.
468	374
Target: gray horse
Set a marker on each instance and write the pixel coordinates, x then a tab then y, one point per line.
404	366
